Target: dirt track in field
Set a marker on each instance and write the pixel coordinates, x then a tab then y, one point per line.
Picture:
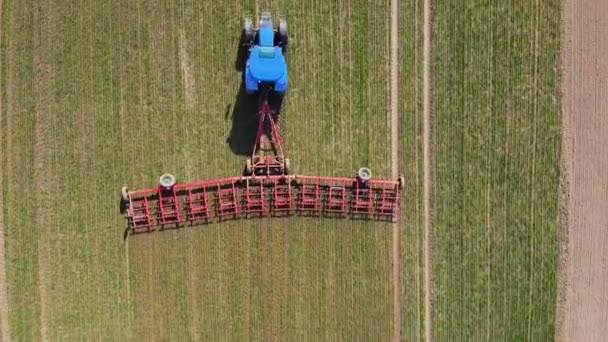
4	334
583	300
187	72
394	108
427	156
41	158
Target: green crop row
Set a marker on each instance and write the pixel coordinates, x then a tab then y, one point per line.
125	91
496	119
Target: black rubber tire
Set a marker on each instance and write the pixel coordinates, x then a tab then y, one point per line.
286	166
125	194
248	30
248	167
401	181
283	35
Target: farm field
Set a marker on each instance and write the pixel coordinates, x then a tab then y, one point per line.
496	122
583	295
118	92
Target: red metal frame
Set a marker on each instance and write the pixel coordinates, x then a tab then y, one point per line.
255	201
139	212
363	199
168	206
227	200
336	200
288	194
310	195
198	203
388	203
282	196
263	163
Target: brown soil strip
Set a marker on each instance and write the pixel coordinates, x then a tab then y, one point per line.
4	332
41	156
193	281
274	277
4	328
394	84
583	281
279	282
535	95
244	270
427	160
266	263
187	72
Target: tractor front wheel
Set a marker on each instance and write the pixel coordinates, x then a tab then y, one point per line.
282	31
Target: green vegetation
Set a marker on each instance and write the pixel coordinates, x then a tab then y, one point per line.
496	109
410	153
110	93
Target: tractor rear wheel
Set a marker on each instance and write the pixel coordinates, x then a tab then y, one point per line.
248	30
286	166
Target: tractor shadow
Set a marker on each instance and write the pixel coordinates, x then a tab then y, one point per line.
241	55
245	118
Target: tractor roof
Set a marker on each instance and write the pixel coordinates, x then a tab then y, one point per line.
267	63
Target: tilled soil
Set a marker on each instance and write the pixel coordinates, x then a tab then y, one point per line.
583	302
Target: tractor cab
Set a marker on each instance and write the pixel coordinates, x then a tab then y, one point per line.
266	64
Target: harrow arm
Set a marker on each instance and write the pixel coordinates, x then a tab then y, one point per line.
248	196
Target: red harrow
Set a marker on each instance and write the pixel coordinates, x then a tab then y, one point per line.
266	189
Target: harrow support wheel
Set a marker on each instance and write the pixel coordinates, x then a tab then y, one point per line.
401	181
125	194
365	174
248	167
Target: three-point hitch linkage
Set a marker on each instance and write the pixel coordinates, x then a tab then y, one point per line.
267	140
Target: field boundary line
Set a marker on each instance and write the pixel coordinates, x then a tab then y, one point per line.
427	180
394	103
533	167
41	156
565	179
188	81
4	327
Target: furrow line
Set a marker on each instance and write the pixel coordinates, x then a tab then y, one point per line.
41	158
4	327
427	181
394	112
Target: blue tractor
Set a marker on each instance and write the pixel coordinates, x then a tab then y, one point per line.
265	46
